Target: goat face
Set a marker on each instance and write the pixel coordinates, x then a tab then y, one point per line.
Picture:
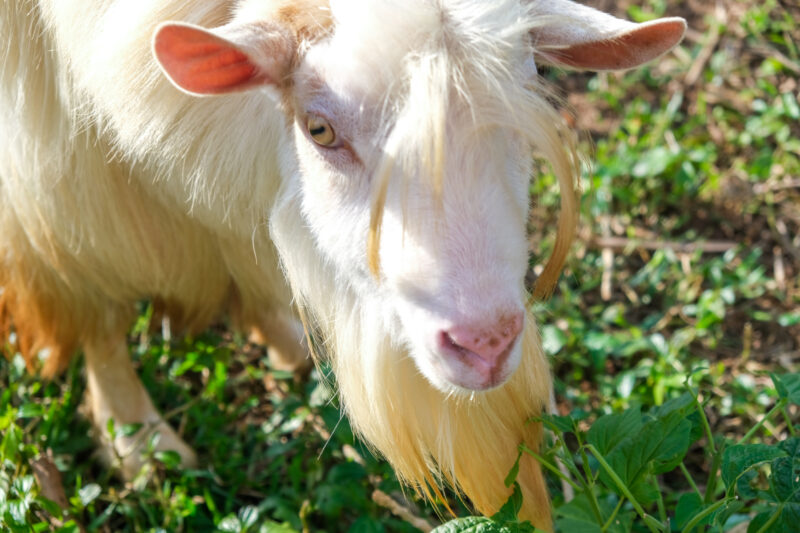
411	131
414	162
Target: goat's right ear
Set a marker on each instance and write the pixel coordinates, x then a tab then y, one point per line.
224	60
575	36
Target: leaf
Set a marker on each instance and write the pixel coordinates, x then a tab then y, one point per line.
471	524
274	527
785	477
230	524
689	506
366	524
738	458
760	521
658	447
553	339
510	510
248	516
577	516
511	478
653	162
788	386
563	424
129	430
609	430
89	493
30	410
169	458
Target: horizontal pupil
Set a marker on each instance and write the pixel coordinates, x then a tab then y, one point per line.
318	131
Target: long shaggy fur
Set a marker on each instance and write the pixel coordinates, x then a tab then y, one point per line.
114	187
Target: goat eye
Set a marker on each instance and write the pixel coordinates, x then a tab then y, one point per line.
320	130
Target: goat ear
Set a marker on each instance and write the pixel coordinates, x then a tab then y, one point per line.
228	59
576	36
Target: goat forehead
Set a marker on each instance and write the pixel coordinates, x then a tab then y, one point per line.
382	34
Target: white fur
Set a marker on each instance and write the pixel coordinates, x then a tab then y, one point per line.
115	186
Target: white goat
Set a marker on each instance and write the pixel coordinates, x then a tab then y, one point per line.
375	154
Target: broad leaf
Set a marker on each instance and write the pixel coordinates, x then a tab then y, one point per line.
658	447
609	430
738	458
472	524
788	386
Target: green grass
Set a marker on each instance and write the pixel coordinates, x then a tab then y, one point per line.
645	333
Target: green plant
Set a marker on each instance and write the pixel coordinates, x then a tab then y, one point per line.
615	469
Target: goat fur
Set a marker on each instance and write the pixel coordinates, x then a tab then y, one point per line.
115	187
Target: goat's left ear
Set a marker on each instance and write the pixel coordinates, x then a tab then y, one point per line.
572	35
223	60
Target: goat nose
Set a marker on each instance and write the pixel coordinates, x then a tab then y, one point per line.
490	342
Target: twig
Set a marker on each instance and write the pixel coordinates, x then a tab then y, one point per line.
768	51
623	243
378	496
699	64
52	487
781	233
761	188
401	511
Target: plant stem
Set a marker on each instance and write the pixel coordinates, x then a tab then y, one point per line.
589	487
711	486
706	426
554	469
696	519
662	511
613	515
771	520
618	482
778	407
789	425
689	479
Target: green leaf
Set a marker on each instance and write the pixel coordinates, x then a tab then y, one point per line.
785	477
129	430
553	339
689	505
510	510
30	410
274	527
170	458
758	523
366	524
248	516
471	524
653	162
738	458
562	424
230	524
511	478
789	319
89	493
658	447
577	516
609	430
788	386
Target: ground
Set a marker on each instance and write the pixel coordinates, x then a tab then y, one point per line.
687	268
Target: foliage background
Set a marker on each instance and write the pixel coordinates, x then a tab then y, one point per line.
688	265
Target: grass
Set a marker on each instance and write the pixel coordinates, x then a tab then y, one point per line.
682	297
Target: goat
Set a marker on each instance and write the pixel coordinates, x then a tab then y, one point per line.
362	170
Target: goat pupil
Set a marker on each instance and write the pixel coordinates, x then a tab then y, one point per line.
318	131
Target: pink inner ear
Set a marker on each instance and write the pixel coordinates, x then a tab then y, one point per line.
199	62
627	50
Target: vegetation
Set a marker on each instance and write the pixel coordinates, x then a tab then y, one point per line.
674	335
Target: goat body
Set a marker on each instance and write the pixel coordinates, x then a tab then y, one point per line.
367	160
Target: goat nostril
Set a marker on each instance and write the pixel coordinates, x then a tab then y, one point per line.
491	343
